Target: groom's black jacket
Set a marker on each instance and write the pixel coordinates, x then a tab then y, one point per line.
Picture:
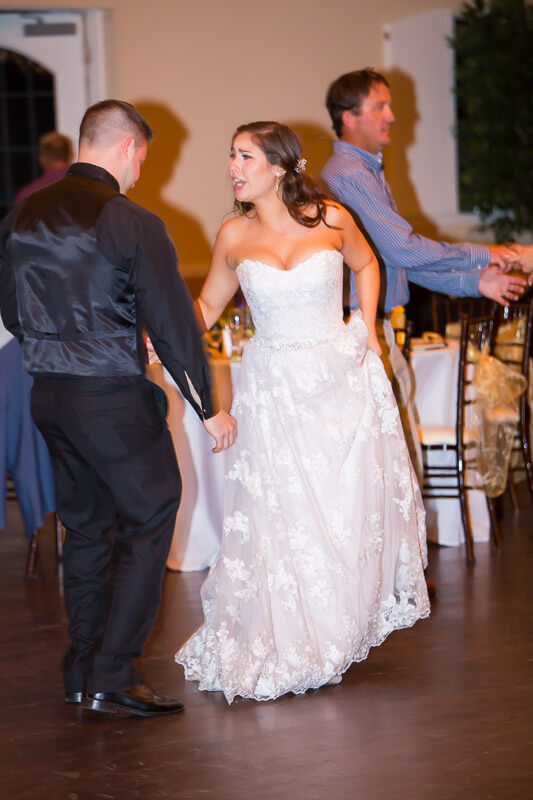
81	268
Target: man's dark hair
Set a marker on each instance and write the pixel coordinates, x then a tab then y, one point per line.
103	122
348	92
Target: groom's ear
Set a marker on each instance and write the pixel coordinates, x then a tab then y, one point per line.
128	147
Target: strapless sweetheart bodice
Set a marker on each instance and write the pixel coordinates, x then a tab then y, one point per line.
299	306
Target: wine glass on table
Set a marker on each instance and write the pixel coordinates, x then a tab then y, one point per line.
236	326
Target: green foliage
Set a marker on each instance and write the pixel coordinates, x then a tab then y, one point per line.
493	45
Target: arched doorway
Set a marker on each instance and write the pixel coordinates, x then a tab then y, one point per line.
27	110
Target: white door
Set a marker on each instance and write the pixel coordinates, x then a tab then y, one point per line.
69	45
52	67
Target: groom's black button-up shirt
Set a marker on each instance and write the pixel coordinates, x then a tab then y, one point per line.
81	268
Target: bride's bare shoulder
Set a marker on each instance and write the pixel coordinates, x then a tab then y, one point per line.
230	237
336	215
232	230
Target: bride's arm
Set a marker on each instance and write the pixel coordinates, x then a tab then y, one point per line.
221	282
359	257
219	287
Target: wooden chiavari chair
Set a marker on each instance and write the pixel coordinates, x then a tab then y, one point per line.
452	481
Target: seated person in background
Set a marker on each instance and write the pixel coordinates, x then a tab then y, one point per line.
55	157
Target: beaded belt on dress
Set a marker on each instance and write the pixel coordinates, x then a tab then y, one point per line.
300	345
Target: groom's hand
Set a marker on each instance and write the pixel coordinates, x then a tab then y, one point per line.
223	428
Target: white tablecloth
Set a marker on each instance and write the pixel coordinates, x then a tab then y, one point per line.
199	520
435	374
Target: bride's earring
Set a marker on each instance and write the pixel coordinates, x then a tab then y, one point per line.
278	181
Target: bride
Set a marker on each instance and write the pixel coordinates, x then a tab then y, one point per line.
323	546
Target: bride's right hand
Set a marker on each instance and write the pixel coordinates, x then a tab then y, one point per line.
223	428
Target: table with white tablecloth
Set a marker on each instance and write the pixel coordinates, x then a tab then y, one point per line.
199	520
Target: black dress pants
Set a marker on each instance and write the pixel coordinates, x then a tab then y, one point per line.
117	493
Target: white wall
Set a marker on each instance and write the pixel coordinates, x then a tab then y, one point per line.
422	167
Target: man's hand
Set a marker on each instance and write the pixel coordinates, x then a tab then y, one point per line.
523	256
223	428
502	256
496	285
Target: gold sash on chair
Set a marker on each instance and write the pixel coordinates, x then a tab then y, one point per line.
497	388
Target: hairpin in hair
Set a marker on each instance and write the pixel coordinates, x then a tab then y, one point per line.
300	165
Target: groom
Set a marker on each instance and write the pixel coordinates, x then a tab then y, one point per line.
81	269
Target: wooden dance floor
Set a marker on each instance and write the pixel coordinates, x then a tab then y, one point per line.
439	712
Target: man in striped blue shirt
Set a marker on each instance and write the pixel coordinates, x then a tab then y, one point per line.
359	104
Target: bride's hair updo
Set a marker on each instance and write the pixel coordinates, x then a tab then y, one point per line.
282	147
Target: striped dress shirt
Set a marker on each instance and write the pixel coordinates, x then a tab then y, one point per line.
355	177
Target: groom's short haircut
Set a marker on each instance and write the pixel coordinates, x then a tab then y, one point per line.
105	122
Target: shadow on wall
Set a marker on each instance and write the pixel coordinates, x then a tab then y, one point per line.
163	155
316	144
404	106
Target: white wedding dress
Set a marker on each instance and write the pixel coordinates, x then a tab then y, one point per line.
324	541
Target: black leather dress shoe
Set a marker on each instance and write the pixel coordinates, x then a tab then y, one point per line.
73	697
138	700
